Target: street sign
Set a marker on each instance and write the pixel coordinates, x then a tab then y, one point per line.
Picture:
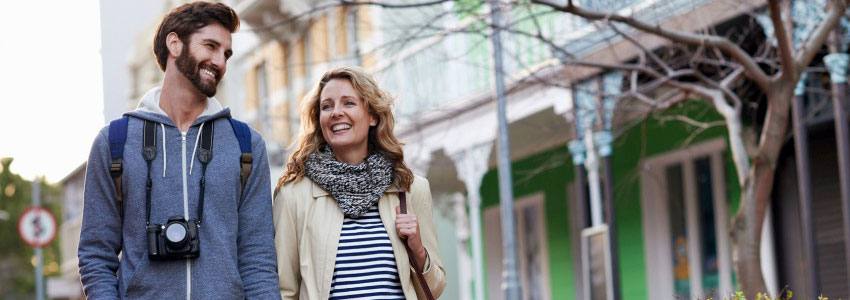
37	226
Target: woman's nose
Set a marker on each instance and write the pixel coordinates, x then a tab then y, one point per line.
337	112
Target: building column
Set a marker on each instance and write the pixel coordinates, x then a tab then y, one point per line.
471	165
837	63
804	189
462	234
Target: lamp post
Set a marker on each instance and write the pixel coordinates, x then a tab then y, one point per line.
510	283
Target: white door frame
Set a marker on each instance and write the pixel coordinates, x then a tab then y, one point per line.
656	221
493	236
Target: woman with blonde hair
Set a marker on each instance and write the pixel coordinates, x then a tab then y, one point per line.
339	208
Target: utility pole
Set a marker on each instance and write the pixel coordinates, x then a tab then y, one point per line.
39	265
510	283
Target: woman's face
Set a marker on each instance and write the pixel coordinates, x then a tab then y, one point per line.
344	120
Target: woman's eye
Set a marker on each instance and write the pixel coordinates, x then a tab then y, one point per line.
325	107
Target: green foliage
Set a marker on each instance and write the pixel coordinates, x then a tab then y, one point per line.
785	294
17	271
465	8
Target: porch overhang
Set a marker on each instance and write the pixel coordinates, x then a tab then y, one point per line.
275	19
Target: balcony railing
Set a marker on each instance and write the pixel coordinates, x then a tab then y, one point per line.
456	63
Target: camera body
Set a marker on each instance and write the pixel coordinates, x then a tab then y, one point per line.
176	239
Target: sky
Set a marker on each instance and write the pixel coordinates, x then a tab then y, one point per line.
51	106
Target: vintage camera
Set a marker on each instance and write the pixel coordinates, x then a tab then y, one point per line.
176	239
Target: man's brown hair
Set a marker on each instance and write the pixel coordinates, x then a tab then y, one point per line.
187	19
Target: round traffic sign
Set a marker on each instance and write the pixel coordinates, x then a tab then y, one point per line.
37	226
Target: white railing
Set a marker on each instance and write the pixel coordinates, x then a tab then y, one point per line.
453	61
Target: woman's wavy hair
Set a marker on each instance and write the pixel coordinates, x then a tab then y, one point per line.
381	138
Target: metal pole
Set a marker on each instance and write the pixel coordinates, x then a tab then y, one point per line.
580	223
804	189
592	164
511	283
837	65
610	219
39	277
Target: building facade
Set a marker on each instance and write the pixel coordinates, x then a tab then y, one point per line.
674	188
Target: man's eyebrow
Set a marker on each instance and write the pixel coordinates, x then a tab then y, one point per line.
216	43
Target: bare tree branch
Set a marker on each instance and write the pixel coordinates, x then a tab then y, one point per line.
393	5
725	83
658	61
700	126
752	69
815	41
783	40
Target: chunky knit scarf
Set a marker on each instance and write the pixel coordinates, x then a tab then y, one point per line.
355	187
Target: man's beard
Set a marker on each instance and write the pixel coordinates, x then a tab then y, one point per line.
188	65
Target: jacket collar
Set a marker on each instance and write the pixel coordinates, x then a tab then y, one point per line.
318	191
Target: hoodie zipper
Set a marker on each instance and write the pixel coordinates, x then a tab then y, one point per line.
186	211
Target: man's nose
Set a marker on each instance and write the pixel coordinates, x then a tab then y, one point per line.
219	60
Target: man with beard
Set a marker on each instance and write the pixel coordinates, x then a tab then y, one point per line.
177	195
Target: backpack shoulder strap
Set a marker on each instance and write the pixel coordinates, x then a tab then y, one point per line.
246	160
117	139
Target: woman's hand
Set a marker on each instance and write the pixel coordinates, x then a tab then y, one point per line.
407	228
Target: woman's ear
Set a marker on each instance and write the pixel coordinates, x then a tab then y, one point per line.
174	44
373	120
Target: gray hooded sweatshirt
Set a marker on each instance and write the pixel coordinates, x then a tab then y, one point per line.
237	253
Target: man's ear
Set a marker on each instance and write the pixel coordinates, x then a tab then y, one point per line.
174	44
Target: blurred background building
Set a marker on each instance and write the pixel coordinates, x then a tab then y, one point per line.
674	191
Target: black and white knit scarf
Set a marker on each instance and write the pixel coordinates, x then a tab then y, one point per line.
355	187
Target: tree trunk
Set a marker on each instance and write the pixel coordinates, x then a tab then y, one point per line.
746	231
756	193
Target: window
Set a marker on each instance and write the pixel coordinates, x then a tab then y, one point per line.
262	121
684	209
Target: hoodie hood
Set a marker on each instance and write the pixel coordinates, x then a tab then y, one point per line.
149	109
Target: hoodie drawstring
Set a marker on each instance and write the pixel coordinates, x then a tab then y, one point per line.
194	150
164	153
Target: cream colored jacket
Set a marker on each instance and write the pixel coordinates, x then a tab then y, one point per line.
308	223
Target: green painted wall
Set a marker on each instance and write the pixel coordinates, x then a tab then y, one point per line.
548	172
551	171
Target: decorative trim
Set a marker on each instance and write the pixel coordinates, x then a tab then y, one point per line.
836	63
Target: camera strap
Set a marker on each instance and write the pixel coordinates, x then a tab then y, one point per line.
149	154
204	155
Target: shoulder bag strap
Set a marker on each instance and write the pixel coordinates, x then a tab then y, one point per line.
402	198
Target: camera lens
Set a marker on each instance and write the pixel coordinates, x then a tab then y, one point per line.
175	232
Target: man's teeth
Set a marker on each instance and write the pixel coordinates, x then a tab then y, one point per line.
208	72
338	127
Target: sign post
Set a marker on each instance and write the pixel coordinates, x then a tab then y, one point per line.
37	227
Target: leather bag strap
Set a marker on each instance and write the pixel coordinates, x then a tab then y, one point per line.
402	198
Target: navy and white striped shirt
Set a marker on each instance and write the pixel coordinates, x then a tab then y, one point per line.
365	265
